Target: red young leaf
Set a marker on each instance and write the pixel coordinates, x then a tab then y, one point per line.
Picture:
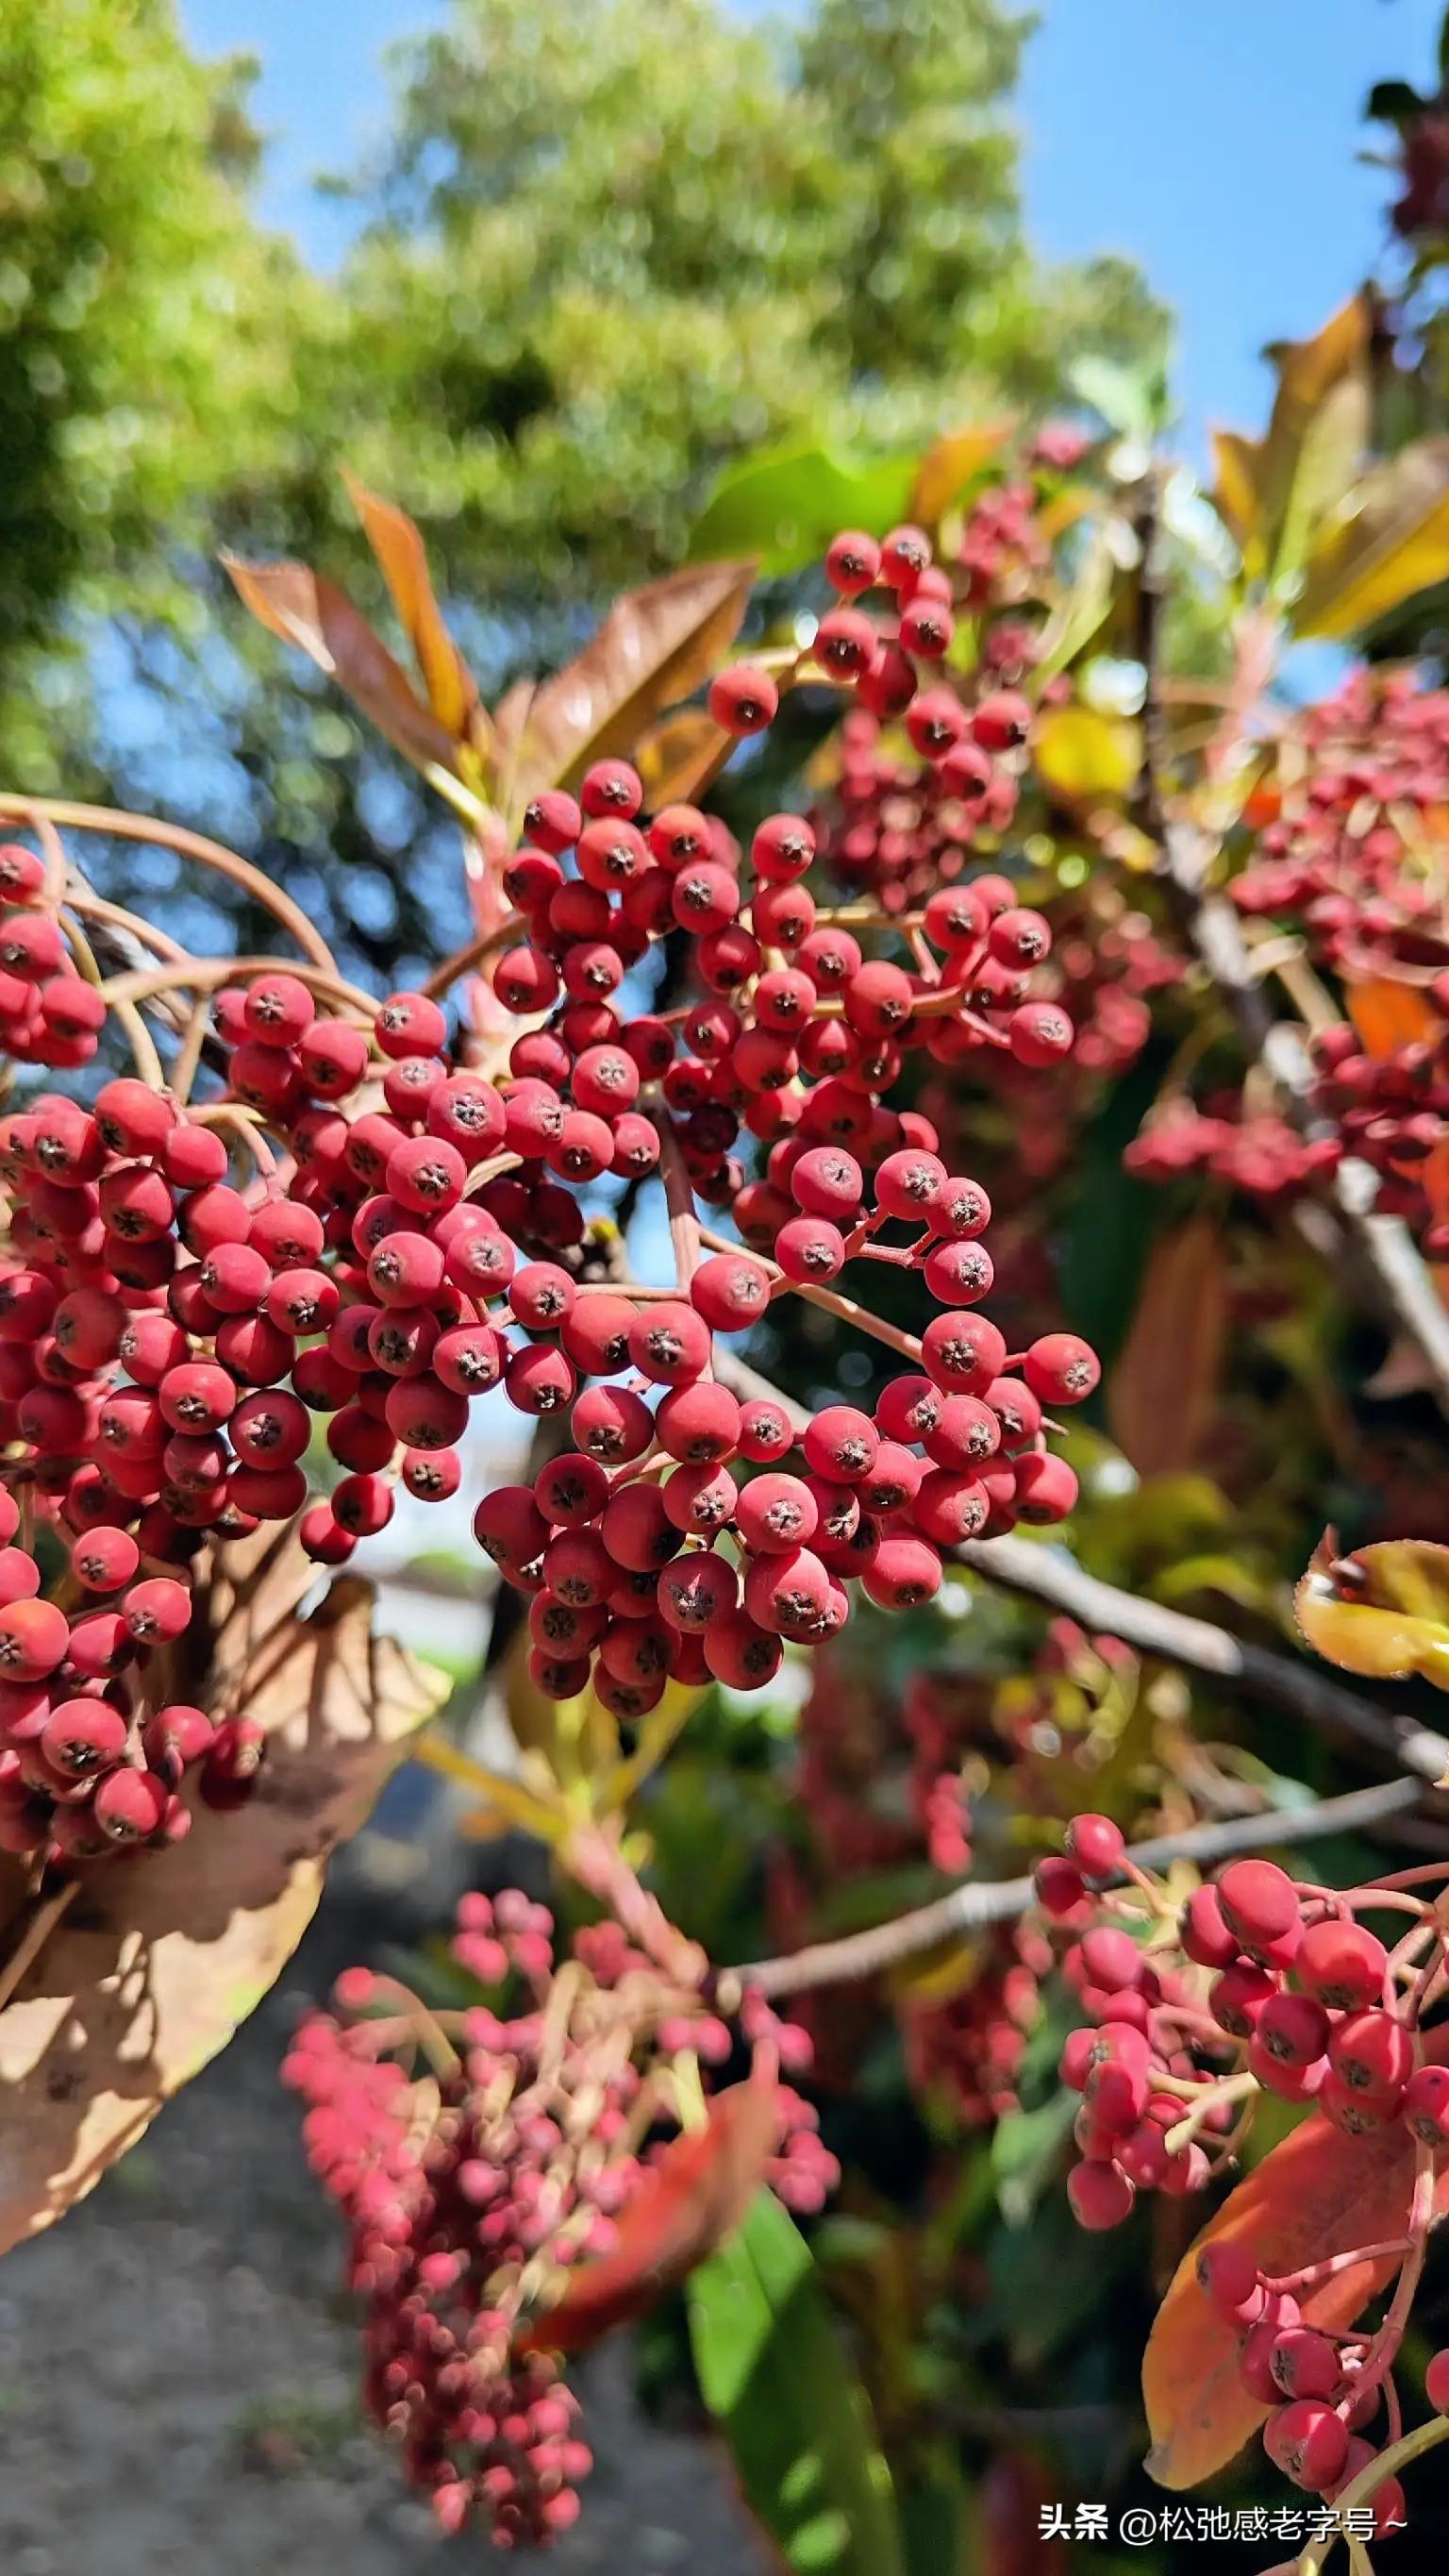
694	2197
305	608
398	546
654	648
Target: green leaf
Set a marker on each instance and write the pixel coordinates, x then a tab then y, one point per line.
797	2419
1125	396
784	506
1393	102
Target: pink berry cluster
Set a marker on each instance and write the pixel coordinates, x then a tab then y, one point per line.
1257	1983
1261	1155
481	2156
1358	795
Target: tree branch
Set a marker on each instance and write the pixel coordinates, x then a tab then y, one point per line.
978	1903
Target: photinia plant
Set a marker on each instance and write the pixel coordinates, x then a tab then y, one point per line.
776	950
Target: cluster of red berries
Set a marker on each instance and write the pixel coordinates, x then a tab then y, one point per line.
1260	1155
359	1229
1254	1984
719	1551
1391	1110
479	2156
49	1013
1320	2386
897	828
1356	803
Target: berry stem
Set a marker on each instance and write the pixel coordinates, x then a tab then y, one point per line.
190	845
684	1226
475	953
138	1037
847	1308
207	975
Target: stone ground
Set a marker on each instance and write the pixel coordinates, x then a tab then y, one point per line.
177	2373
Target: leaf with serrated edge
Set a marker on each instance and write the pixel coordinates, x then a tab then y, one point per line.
306	609
1317	2194
162	1954
397	543
1389	1618
654	648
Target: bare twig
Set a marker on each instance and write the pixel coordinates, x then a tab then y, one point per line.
978	1903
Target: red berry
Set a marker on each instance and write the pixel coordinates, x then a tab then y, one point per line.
743	700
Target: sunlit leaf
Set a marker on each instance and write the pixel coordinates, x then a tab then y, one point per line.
1384	1610
1389	542
1084	758
306	609
692	2198
1236	494
1163	1391
949	464
1316	433
397	543
784	507
1319	2193
1388	1015
162	1955
654	648
797	2420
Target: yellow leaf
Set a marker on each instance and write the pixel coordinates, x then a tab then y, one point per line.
1390	541
1084	758
398	546
161	1955
950	463
1317	431
1383	1611
680	757
1163	1392
507	1802
1236	495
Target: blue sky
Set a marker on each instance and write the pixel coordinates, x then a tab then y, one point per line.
1214	141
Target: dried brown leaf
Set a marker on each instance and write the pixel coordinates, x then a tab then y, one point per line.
160	1957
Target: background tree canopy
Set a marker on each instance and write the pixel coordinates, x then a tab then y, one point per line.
611	245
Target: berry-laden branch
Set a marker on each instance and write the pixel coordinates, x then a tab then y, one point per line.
1050	1575
1191	2011
1373	1250
979	1902
1377	1251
